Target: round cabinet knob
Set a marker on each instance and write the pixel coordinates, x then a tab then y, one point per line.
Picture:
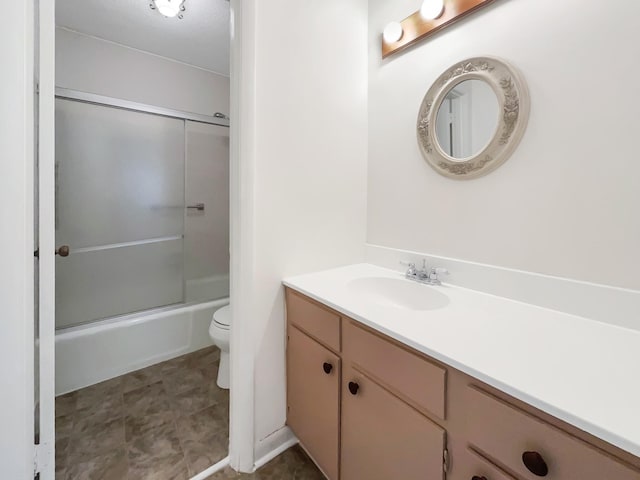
327	367
535	463
353	388
475	477
63	251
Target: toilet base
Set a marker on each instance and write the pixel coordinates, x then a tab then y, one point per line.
223	371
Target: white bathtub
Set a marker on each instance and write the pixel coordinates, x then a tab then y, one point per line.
92	353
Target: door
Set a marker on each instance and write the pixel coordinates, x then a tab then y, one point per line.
206	229
383	437
313	399
120	210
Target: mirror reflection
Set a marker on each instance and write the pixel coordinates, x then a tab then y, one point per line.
467	119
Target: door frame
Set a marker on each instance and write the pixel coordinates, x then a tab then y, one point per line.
17	144
241	177
45	111
18	454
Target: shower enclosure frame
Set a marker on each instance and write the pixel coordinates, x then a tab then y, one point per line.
217	119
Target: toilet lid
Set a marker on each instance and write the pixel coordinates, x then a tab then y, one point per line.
223	316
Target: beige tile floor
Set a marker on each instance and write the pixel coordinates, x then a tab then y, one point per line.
166	422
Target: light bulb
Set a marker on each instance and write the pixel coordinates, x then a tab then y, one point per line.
431	9
392	32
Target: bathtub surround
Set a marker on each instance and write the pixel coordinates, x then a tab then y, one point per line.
135	341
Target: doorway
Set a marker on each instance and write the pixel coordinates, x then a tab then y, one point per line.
141	225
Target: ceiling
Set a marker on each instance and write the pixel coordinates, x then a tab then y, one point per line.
201	38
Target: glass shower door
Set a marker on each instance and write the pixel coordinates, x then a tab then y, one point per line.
120	191
207	229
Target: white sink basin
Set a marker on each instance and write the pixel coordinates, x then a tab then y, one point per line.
399	293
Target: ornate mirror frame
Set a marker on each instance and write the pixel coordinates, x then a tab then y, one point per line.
513	101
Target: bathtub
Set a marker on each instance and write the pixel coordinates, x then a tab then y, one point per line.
95	352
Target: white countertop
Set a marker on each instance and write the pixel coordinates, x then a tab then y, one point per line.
582	371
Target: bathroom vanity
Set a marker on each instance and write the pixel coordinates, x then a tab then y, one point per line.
388	379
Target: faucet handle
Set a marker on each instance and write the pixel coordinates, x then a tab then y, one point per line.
436	272
411	270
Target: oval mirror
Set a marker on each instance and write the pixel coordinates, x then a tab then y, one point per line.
472	118
467	119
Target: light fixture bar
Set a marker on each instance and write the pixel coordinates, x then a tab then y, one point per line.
415	27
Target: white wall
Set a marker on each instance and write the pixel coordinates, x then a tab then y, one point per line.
566	202
98	66
16	241
303	95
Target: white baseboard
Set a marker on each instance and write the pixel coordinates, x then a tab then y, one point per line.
270	447
212	469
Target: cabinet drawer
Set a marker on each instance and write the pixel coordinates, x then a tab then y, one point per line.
317	321
405	372
472	466
383	438
504	433
313	399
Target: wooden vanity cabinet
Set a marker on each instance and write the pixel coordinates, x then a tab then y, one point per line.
365	406
313	399
383	437
313	380
531	447
351	425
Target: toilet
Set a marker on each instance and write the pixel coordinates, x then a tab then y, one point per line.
219	332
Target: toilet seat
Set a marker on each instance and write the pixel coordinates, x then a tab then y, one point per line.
222	317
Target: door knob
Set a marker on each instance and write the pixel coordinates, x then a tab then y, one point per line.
327	367
63	251
353	388
535	463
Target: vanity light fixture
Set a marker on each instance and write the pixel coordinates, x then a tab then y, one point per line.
433	16
169	8
432	9
392	32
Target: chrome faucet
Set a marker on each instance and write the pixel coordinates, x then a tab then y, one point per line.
428	276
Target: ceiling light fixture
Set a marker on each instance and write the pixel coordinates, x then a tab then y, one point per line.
168	8
431	9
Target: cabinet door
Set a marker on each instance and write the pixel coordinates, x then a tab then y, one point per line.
313	399
384	438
